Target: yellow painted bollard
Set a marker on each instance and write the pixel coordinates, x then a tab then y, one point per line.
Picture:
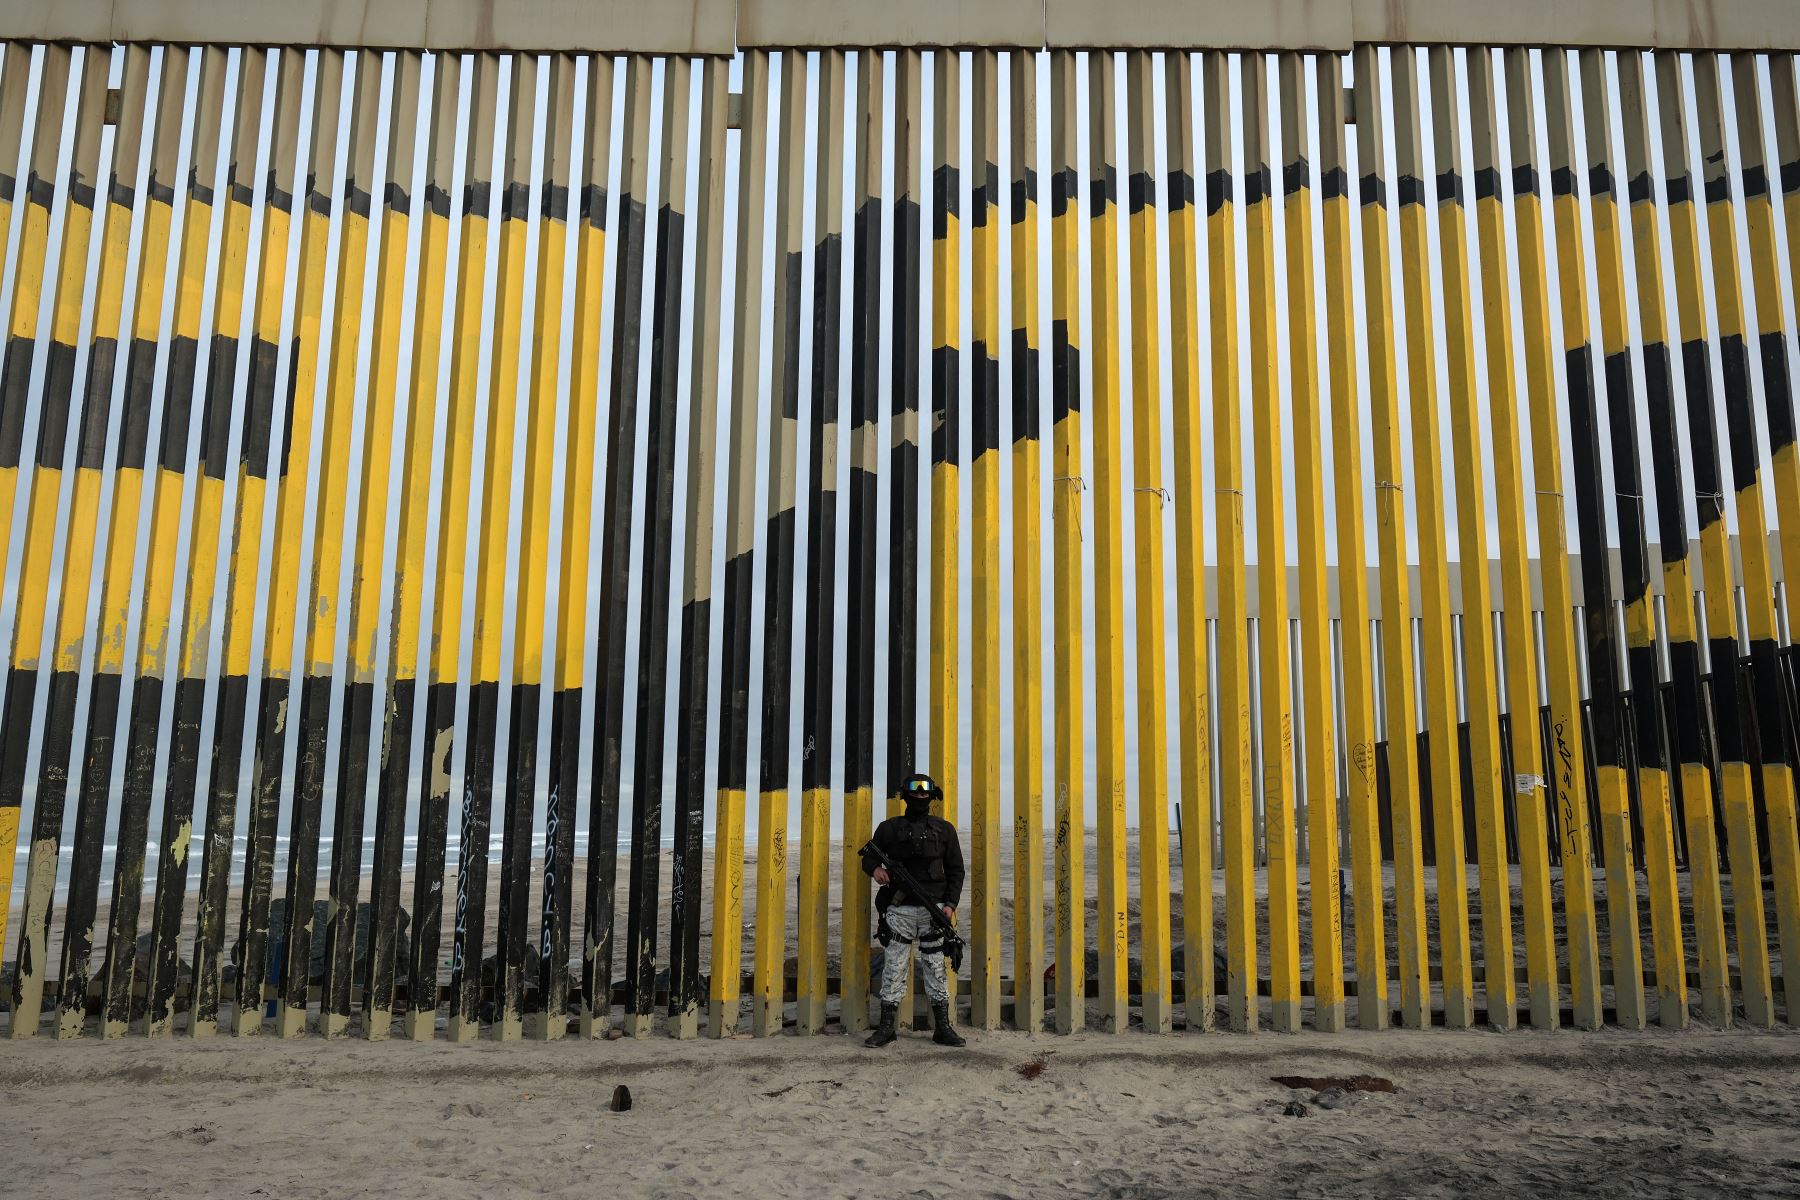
818	703
1429	495
1369	899
1480	689
1109	630
905	435
1390	514
1528	784
873	83
1228	482
740	552
1193	681
986	619
1320	707
1277	731
945	689
772	881
1028	631
1067	486
1567	777
1148	505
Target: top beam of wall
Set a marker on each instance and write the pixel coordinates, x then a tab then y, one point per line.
720	26
1651	24
694	27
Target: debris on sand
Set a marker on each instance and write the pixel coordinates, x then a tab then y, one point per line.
1348	1083
1332	1098
1294	1109
782	1091
1034	1068
621	1099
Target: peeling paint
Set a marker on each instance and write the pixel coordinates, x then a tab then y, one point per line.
440	762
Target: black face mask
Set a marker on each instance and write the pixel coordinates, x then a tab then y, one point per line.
918	807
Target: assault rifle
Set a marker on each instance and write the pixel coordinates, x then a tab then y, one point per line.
953	942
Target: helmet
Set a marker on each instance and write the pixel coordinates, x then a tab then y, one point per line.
921	786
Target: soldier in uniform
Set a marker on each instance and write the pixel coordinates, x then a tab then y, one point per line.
927	847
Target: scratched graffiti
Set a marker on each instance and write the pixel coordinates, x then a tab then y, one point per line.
461	927
1565	791
1202	736
552	822
1064	884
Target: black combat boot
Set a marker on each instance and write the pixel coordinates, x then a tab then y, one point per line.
884	1032
945	1034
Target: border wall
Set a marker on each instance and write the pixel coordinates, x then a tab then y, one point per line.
487	520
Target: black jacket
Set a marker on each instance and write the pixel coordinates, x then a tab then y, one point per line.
930	850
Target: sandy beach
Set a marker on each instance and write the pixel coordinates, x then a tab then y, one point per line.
1604	1114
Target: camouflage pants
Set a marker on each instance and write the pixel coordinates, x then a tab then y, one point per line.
909	923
